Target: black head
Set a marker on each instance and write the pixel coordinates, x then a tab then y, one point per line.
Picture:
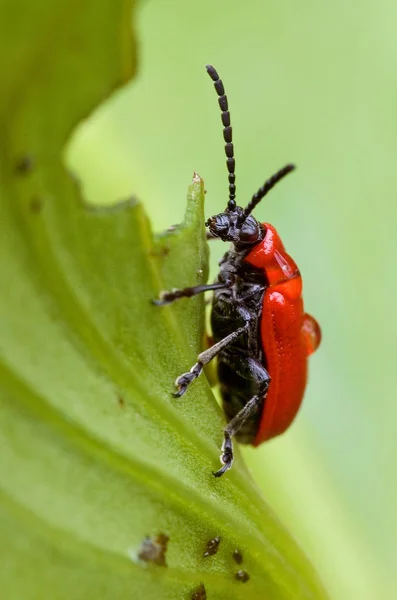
236	224
231	226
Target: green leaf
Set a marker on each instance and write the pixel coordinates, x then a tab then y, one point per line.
95	453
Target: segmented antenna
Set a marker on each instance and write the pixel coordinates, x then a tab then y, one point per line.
227	134
266	187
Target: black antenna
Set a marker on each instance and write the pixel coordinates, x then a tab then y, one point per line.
266	187
227	134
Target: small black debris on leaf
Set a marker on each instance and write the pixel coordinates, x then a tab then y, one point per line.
242	576
238	557
199	593
212	546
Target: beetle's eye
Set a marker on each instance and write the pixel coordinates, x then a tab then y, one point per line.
249	232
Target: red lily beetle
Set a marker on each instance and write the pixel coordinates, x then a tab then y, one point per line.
262	336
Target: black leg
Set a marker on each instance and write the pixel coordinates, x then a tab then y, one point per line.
184	380
231	429
238	421
168	297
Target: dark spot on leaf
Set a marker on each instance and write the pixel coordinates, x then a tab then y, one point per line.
238	557
161	252
199	593
242	576
121	401
35	204
212	546
24	164
153	550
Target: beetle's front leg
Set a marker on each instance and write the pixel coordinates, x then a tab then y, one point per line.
188	292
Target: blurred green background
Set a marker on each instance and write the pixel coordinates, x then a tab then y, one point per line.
314	83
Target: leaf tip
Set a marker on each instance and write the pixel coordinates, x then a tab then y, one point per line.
195	200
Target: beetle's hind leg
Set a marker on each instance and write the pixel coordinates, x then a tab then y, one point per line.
231	429
250	408
184	380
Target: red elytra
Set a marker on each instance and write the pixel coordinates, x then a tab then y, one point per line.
288	334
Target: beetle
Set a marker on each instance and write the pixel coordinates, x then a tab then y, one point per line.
262	336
